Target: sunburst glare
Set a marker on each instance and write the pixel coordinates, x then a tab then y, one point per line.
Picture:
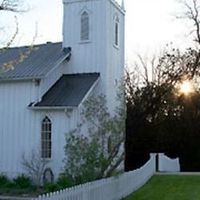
186	87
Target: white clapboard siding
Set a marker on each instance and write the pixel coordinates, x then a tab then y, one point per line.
17	124
20	128
114	188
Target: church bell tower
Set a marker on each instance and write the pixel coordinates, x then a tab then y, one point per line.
94	29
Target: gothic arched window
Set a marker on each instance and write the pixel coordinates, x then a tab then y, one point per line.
116	32
46	136
84	33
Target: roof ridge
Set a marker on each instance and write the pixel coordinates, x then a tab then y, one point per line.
34	45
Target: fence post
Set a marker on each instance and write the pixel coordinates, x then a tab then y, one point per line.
153	158
85	189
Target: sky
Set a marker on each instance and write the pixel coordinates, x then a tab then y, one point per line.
150	25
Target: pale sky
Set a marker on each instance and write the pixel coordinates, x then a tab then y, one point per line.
150	24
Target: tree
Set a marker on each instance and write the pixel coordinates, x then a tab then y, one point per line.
95	148
14	6
191	13
159	117
155	109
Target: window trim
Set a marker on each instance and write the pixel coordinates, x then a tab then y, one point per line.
116	31
87	17
46	138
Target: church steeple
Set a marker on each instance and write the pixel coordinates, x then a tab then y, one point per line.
94	29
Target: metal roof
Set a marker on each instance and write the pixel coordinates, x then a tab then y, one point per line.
31	62
69	90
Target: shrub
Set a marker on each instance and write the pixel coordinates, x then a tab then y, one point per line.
8	187
64	182
51	187
22	182
4	180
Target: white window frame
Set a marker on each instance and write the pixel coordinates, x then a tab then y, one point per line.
46	138
85	37
116	31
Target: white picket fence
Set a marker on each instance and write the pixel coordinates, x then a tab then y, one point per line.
114	188
167	164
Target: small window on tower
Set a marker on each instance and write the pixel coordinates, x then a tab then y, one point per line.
116	32
84	34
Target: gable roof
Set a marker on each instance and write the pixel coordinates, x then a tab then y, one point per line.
41	60
69	90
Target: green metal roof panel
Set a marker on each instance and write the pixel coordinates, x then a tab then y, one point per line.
42	59
69	90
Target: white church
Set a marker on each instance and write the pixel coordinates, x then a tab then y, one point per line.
41	97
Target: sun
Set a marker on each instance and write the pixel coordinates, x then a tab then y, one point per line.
186	87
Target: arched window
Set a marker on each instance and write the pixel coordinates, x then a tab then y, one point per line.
116	32
84	34
46	143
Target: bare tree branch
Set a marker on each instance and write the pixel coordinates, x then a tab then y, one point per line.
10	5
192	14
34	166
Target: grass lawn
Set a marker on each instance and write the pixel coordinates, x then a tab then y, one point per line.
169	187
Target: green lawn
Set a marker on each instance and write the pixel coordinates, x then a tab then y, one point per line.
169	187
